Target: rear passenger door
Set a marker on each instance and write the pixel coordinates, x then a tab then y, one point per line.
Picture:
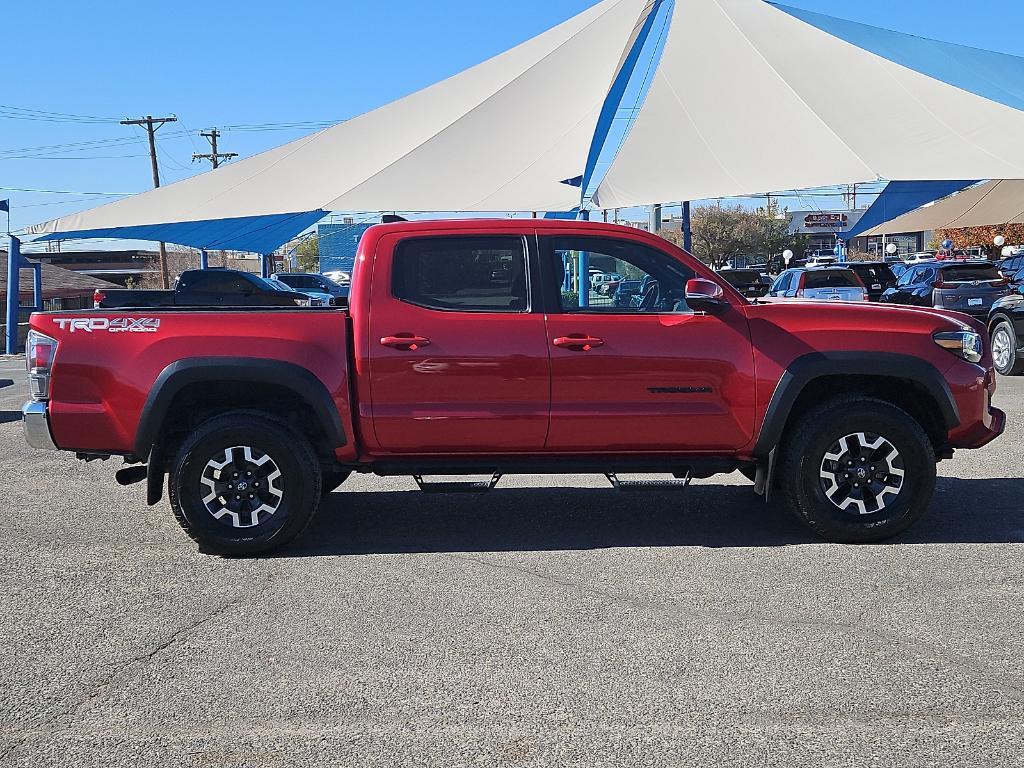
458	362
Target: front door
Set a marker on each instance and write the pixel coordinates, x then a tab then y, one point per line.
650	376
458	362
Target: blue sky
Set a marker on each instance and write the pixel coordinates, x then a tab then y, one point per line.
255	65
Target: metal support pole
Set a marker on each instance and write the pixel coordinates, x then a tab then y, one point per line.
654	223
687	229
37	287
204	259
13	264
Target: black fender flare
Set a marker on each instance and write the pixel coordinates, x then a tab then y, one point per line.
817	365
178	375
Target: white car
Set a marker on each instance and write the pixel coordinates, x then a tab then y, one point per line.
601	282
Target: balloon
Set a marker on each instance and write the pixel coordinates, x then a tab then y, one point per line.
787	255
999	241
892	249
947	244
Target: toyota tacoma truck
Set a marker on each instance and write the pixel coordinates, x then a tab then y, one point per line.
467	350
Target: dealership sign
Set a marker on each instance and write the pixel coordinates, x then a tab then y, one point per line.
820	222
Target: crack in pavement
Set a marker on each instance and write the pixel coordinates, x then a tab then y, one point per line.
124	670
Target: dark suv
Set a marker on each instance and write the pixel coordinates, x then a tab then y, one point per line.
746	281
877	277
1006	328
970	287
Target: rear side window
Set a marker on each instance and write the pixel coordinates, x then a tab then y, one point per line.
967	273
831	278
467	274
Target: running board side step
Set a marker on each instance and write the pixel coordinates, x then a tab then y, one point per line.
649	486
457	487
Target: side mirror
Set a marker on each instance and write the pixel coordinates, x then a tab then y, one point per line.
705	295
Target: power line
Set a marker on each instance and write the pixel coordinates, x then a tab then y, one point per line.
66	192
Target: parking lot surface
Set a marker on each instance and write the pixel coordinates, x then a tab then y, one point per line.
552	622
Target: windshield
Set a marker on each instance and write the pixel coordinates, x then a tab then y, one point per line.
275	285
831	278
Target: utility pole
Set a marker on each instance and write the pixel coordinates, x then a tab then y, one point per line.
153	124
214	156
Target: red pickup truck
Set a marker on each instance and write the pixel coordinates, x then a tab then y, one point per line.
465	352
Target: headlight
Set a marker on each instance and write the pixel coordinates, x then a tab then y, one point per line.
303	302
966	345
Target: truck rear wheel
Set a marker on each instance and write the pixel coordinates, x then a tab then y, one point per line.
858	470
244	483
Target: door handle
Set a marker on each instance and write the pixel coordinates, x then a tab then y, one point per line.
405	341
578	342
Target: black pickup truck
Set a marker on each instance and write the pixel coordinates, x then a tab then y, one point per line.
205	288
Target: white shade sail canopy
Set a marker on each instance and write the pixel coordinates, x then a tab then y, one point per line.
989	204
503	135
752	97
749	97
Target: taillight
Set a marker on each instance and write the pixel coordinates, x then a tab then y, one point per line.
801	293
939	285
98	297
39	353
1002	283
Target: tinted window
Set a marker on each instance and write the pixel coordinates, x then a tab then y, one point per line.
875	273
661	279
966	273
741	277
782	282
214	281
470	274
910	276
831	278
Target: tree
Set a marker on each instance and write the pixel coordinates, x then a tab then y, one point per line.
721	233
973	237
308	255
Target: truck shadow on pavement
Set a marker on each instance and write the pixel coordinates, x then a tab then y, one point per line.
541	519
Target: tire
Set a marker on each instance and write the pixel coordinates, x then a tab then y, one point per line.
332	480
1005	357
850	429
277	469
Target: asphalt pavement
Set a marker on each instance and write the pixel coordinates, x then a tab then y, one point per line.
552	622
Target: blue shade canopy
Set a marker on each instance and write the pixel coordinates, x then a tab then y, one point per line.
252	234
901	197
995	76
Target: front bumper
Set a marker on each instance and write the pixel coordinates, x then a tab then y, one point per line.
36	423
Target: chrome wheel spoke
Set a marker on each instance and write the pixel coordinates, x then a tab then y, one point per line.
242	487
862	473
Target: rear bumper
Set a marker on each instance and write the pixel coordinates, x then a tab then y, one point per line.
36	425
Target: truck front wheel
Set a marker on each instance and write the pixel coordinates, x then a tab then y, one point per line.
858	470
244	483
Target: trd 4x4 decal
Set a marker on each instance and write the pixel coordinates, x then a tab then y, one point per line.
115	325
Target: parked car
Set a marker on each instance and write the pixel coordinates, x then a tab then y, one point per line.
604	283
312	283
624	292
204	288
1006	329
249	416
1011	265
746	281
822	283
876	276
921	256
316	299
970	287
